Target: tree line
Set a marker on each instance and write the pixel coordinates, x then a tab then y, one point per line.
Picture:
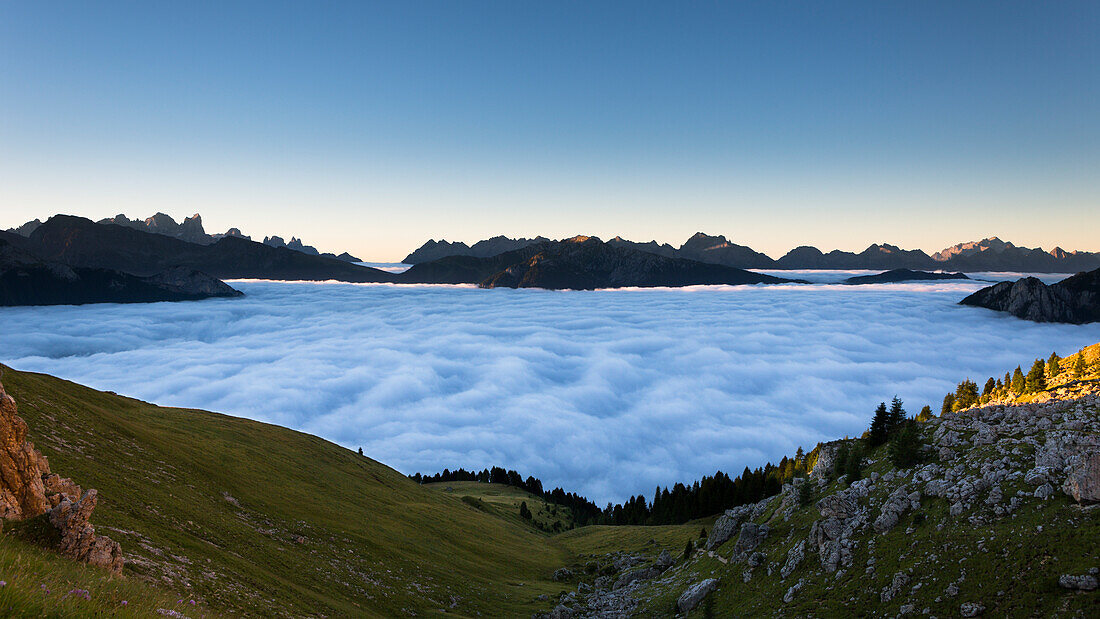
1016	383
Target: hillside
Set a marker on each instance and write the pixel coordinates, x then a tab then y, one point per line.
244	516
999	518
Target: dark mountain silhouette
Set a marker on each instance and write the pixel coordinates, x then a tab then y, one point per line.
434	250
902	275
26	279
1075	299
989	255
580	263
717	250
79	242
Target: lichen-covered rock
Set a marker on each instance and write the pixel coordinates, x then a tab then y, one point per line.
727	525
1083	481
751	536
694	594
794	557
971	609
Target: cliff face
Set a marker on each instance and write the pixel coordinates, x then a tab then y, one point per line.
28	489
1074	300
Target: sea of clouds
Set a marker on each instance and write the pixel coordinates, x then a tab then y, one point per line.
608	393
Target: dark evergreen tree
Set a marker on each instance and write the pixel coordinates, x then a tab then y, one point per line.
687	550
948	404
925	414
990	387
523	511
880	426
966	395
1036	378
896	416
853	468
1079	368
904	449
840	460
1054	365
805	493
1019	383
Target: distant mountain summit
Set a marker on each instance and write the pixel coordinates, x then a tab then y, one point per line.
80	242
579	263
434	250
990	254
191	231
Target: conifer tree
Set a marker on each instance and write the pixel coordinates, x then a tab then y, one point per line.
1079	366
925	414
1018	381
805	494
853	468
1036	378
987	391
896	416
948	404
687	550
1054	365
840	461
904	448
880	426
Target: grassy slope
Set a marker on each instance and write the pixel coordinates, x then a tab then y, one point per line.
504	501
245	516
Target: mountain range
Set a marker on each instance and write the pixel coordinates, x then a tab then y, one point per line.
991	254
79	242
191	230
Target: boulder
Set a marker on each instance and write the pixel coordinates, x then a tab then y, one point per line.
78	538
562	574
794	557
1083	482
664	560
971	609
694	594
751	536
1085	582
727	526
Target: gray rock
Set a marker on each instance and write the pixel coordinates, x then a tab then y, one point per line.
1044	491
1086	582
561	574
694	594
788	597
727	526
664	560
751	536
900	580
971	609
1083	482
794	557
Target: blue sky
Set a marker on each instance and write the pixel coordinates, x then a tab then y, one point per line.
373	127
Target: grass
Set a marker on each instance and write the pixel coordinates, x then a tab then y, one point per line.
249	517
43	584
503	501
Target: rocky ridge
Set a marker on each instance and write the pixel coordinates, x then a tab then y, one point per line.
28	489
1074	300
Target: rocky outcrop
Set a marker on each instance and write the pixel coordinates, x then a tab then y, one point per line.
28	489
727	525
751	536
1083	481
695	594
1074	300
22	468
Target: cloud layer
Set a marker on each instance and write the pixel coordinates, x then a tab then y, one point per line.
608	393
